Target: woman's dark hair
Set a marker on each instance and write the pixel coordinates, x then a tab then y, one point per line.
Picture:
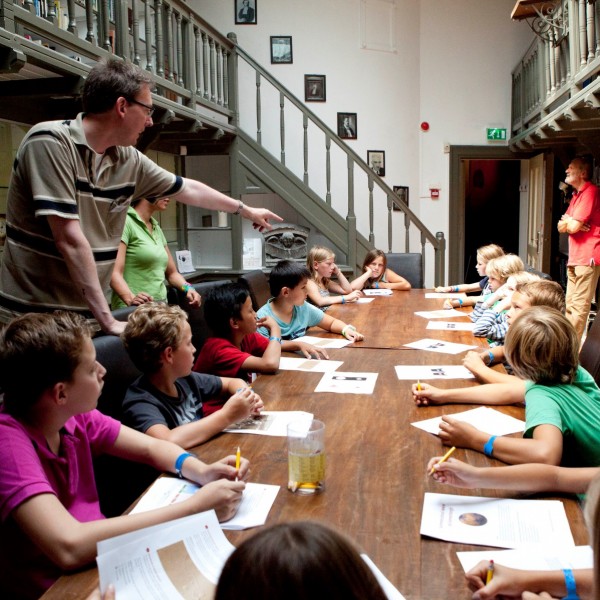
222	303
297	561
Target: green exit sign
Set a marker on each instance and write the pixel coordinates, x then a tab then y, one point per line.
496	134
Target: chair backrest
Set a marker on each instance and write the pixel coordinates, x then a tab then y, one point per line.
589	357
409	265
258	284
200	328
120	373
540	274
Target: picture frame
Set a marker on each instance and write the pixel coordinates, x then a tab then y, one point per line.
245	12
347	125
376	160
402	191
314	88
281	50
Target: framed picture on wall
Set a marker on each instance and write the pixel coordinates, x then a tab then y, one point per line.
281	50
314	88
402	191
346	125
245	12
376	160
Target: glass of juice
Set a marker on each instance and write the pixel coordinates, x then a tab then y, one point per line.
306	456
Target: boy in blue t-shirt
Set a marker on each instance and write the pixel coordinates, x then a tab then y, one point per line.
290	310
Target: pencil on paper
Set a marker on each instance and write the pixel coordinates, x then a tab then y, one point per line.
443	459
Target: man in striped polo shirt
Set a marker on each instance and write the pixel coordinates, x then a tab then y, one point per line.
71	184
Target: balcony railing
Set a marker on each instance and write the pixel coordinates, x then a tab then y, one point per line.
200	76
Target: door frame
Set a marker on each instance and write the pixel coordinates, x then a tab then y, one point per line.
456	199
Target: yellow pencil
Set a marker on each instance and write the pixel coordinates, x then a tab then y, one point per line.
490	572
444	459
418	386
237	461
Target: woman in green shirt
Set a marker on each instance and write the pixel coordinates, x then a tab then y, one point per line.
144	260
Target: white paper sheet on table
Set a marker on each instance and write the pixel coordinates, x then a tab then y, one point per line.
498	522
420	372
365	300
578	557
378	292
444	313
324	342
389	589
460	295
432	345
144	564
483	418
253	510
451	326
270	422
347	383
287	363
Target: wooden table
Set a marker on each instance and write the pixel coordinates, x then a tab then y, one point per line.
375	474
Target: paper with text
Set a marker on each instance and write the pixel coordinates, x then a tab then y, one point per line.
483	418
347	383
270	422
378	292
503	523
324	342
419	372
450	326
431	345
305	364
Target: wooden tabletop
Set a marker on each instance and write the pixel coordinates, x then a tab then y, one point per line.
375	472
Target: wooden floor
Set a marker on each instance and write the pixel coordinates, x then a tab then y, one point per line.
375	474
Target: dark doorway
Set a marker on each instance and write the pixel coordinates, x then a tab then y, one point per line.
491	208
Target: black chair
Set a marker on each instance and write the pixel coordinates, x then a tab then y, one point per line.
409	265
589	356
540	274
200	328
258	284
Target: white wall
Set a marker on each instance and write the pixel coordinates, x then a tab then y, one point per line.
451	68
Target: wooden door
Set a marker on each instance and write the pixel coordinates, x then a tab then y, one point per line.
536	222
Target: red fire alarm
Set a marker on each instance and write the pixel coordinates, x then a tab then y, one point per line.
424	126
435	193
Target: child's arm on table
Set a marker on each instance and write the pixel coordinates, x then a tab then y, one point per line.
475	362
394	281
71	544
360	282
308	350
269	361
545	446
336	326
494	393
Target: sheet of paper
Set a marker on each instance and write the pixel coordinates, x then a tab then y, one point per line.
439	346
444	313
419	372
270	422
484	418
347	383
304	364
184	261
324	342
445	295
451	326
252	511
378	292
579	557
390	590
364	300
252	253
502	523
150	563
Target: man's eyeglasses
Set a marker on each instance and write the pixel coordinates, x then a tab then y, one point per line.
150	109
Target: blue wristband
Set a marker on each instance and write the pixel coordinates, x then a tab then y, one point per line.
275	339
460	302
179	462
491	357
343	300
488	449
570	585
376	285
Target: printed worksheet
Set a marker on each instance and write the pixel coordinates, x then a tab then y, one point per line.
378	292
364	300
390	590
578	557
308	364
179	559
451	325
444	313
253	510
498	522
484	418
347	383
420	372
270	422
324	342
439	346
460	295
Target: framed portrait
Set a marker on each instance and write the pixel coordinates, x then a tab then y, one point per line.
314	88
402	191
376	160
245	12
346	126
281	50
